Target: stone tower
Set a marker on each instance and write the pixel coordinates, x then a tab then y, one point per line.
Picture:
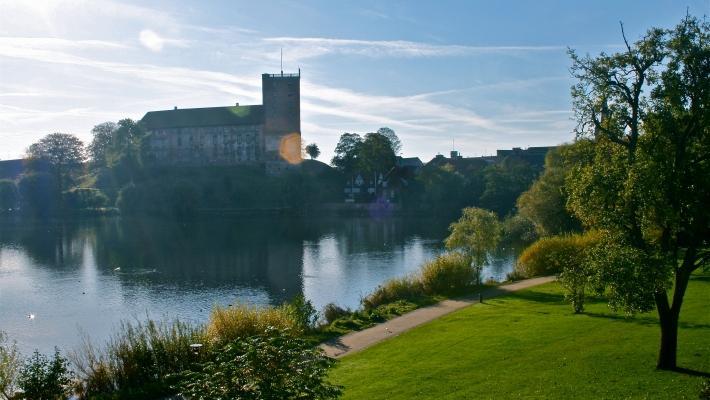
281	95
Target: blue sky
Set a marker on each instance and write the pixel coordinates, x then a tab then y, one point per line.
485	74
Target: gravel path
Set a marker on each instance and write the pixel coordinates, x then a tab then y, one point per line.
356	341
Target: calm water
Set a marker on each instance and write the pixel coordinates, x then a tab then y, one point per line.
86	276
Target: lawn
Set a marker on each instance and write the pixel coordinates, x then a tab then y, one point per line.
530	345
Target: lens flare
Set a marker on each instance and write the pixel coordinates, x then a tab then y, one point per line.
290	148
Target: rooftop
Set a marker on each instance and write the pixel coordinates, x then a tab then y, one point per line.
209	116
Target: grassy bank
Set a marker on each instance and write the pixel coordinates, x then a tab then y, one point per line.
530	345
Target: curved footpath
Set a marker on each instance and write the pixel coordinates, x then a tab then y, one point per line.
356	341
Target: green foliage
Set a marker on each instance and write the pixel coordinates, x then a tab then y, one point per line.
475	234
9	196
332	311
101	142
9	367
347	152
395	143
646	109
85	198
185	199
304	313
44	379
274	365
375	155
705	390
448	274
39	194
227	324
64	152
313	151
504	182
518	229
544	203
137	361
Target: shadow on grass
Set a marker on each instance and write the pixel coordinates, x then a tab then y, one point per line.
644	320
701	278
691	372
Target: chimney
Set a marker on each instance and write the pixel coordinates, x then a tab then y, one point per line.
175	108
236	104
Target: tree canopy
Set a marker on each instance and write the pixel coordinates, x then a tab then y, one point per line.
648	184
313	151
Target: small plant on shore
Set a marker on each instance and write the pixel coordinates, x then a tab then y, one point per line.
272	365
474	235
407	288
304	313
43	379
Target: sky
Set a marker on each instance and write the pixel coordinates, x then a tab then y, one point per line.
474	75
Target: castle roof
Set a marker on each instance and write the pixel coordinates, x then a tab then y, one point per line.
209	116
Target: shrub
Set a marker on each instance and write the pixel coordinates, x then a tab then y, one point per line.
227	324
331	312
39	193
705	390
274	365
42	379
82	198
304	313
406	288
138	359
8	195
9	366
447	274
566	256
518	229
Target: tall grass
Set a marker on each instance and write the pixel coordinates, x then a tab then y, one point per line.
551	255
448	274
229	323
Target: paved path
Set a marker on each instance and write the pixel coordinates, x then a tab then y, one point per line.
356	341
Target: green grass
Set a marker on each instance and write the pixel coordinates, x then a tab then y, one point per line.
530	345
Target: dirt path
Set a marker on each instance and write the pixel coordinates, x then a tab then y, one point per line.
356	341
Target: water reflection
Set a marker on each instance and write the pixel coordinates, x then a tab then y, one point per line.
89	274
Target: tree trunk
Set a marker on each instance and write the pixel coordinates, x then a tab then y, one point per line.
669	341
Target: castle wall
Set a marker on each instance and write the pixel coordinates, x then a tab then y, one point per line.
213	145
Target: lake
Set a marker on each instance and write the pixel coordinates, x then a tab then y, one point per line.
83	277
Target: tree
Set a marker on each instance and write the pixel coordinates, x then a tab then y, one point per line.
504	182
103	135
375	155
395	143
475	234
39	193
346	152
8	195
544	203
648	185
313	151
43	379
63	152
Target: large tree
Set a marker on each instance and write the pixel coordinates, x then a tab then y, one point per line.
395	143
375	155
63	152
648	186
313	151
101	142
346	152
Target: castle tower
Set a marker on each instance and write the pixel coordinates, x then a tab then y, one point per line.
281	95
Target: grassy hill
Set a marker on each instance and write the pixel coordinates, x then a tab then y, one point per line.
530	345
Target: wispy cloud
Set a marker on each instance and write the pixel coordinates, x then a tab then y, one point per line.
308	47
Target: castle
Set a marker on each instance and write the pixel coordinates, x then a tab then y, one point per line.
268	134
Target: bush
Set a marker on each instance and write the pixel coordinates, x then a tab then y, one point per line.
518	229
9	196
9	366
448	273
331	312
407	288
274	365
567	256
42	379
231	323
39	193
304	313
83	198
705	390
551	255
138	359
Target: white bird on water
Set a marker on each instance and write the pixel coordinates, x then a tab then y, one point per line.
117	269
30	316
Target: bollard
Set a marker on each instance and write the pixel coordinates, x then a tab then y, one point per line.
480	298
